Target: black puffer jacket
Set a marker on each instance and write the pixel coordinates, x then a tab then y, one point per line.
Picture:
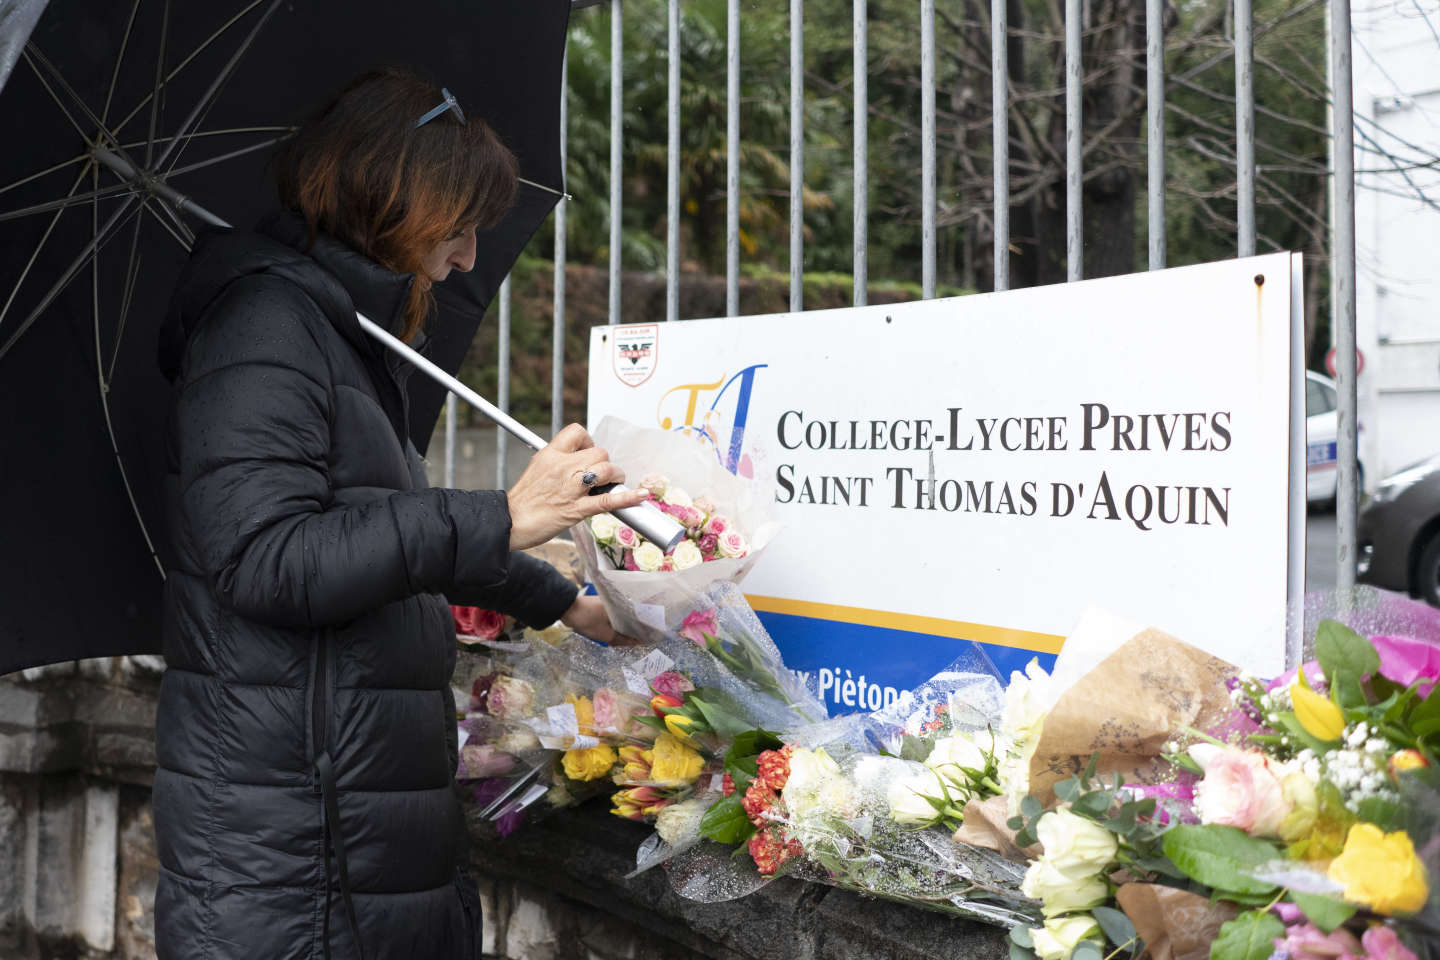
307	630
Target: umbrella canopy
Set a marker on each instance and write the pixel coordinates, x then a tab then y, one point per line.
195	95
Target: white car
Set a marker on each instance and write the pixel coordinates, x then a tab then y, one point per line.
1320	423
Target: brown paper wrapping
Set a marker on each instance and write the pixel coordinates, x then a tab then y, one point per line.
985	826
1175	924
1126	708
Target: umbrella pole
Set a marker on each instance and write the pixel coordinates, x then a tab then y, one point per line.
659	528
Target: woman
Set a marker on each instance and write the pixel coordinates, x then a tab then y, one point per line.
304	802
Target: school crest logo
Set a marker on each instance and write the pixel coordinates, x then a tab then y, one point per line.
634	351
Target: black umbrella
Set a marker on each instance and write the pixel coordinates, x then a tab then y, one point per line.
193	94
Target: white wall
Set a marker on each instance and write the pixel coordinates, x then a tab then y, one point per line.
1397	102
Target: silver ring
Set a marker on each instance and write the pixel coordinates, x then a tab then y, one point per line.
589	478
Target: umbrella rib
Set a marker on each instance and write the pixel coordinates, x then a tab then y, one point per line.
71	200
127	207
35	255
119	59
155	94
53	96
193	119
218	133
132	272
186	62
173	225
104	385
101	132
35	176
200	164
541	186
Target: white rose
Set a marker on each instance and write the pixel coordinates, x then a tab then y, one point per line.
705	505
603	526
733	545
648	557
677	497
1061	935
679	823
518	741
953	752
908	799
1060	892
686	555
656	483
1074	845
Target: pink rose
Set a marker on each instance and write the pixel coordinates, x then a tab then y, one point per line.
630	560
1405	660
476	622
672	684
1306	942
510	697
709	544
717	525
616	712
1382	943
1240	789
481	760
705	505
733	545
627	538
697	624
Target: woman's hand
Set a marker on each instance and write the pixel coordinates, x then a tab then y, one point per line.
550	495
587	616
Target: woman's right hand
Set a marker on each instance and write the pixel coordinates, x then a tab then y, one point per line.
550	496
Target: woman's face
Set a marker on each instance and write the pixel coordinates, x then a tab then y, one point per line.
458	252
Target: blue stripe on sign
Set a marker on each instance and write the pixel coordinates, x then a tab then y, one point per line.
898	659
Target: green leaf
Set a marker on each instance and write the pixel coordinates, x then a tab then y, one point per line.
1030	808
1427	711
1118	928
1341	650
1220	857
1346	691
1018	952
1250	936
915	748
1385	814
1016	823
1089	769
752	743
720	719
726	822
1094	804
1087	950
1068	790
1325	912
1296	732
1020	936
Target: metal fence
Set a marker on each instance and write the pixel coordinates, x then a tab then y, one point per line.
1343	177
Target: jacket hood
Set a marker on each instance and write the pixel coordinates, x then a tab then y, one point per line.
340	280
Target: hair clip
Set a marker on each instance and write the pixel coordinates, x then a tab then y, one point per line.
450	104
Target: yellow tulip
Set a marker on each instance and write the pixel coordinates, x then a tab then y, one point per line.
1317	715
588	764
678	724
1380	871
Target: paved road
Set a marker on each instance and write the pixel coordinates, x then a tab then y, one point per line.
1319	551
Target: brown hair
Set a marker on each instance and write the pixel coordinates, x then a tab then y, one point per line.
361	171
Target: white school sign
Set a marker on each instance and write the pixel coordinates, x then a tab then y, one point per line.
987	467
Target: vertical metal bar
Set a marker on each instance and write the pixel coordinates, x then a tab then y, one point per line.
450	412
672	167
861	130
1074	142
927	148
797	155
1155	142
502	386
1000	136
1245	126
1295	554
1343	95
732	159
617	131
557	360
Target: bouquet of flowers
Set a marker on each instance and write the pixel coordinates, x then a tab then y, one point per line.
728	524
864	802
1294	817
